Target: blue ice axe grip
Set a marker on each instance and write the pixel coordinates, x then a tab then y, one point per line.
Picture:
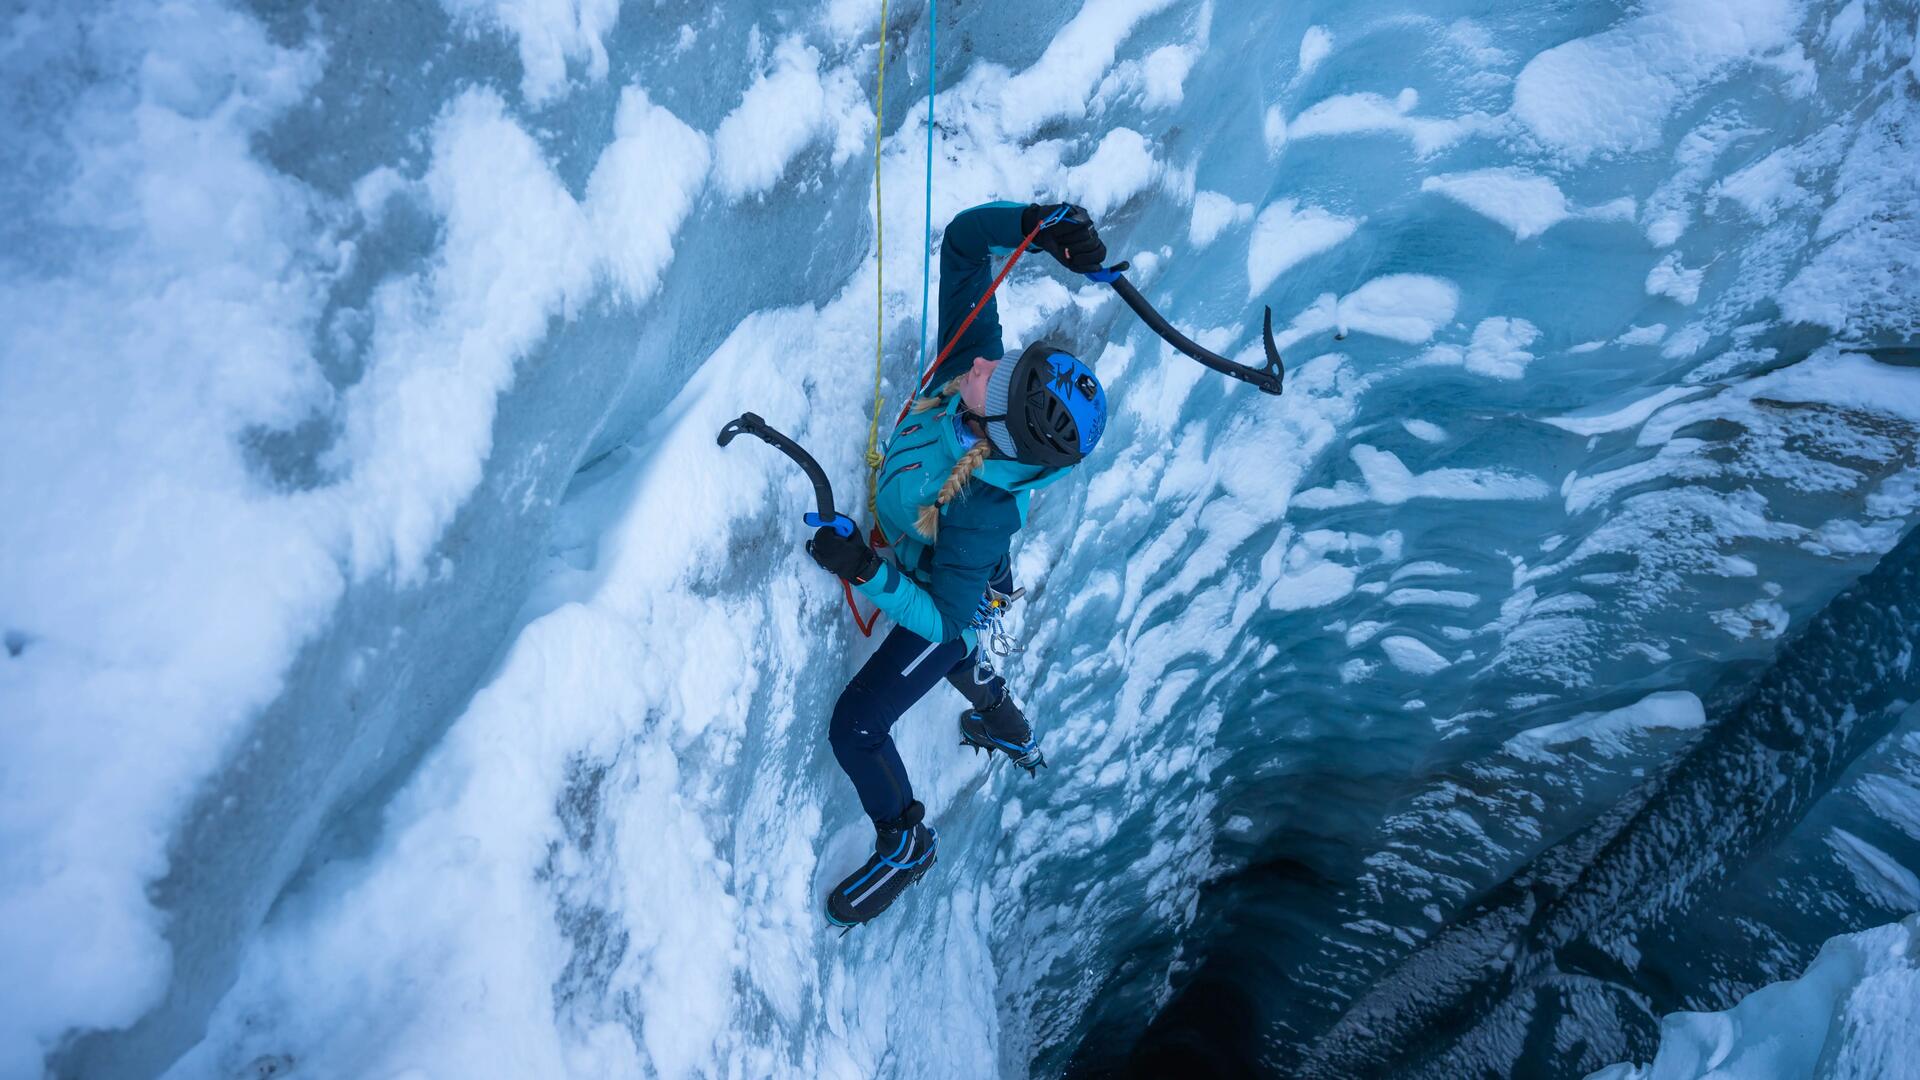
750	424
841	523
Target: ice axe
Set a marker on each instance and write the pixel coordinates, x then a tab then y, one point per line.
825	514
1267	379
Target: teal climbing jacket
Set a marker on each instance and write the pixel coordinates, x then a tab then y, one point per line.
934	588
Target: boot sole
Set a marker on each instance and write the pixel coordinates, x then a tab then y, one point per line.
919	872
991	747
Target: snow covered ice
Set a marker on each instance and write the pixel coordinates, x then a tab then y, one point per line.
399	682
1851	1014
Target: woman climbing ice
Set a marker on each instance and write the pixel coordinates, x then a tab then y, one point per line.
953	490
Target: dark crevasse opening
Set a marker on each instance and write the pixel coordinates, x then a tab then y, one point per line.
1658	907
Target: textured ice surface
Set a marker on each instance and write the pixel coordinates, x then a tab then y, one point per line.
398	679
1213	213
1608	732
1285	235
1525	202
1854	1014
1615	90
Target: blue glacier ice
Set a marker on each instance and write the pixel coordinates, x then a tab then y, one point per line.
399	682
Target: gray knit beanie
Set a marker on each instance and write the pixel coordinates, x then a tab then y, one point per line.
998	384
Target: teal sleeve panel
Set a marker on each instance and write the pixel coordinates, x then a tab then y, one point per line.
910	606
975	535
966	270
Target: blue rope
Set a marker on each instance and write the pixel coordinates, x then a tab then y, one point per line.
926	245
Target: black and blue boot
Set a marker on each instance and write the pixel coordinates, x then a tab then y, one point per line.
902	853
1003	727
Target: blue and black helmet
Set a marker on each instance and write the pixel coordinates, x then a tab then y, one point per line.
1046	408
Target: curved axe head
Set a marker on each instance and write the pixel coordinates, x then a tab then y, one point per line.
1269	378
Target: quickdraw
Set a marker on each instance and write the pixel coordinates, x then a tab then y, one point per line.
990	619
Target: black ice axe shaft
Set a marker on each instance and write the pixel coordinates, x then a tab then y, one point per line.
1267	379
751	424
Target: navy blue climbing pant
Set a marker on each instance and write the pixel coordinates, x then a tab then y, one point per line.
899	673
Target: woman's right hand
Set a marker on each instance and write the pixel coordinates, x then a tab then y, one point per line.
1073	240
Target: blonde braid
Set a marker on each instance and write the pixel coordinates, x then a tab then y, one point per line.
940	397
929	520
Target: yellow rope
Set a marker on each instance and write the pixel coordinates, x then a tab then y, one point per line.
874	458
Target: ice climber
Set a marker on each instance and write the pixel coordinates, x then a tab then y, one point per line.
959	469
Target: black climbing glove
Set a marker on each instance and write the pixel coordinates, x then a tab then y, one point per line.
1073	239
845	556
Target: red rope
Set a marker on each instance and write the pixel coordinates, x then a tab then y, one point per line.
866	626
968	321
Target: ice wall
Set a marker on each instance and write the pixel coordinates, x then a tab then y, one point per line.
399	681
1599	924
276	547
283	371
1406	769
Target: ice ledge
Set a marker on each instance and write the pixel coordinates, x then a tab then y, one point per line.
1855	1012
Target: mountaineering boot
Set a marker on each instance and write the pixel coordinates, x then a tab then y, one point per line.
1003	727
902	852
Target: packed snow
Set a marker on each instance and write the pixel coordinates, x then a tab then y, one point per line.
1609	732
1854	1013
1287	234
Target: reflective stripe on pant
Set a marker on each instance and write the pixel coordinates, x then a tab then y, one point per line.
898	674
